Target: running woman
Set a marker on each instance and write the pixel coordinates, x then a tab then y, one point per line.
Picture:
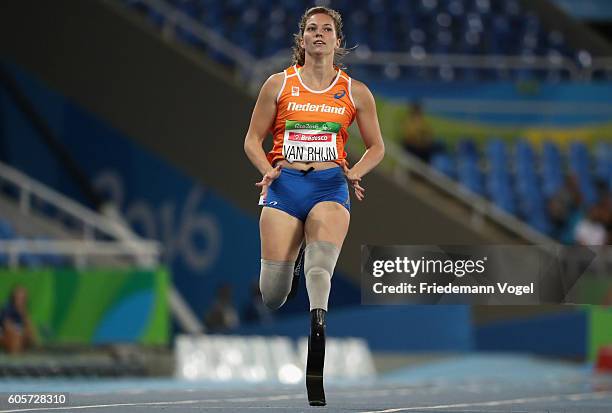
304	191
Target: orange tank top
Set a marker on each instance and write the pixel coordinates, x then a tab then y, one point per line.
311	125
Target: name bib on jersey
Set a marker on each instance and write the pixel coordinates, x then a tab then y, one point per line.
310	141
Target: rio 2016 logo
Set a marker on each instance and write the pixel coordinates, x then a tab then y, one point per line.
160	222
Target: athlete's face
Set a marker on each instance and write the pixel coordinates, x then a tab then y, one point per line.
320	35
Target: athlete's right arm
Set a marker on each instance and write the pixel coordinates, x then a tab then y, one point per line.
261	121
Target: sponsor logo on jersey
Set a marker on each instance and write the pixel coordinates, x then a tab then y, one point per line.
340	94
310	107
295	91
301	137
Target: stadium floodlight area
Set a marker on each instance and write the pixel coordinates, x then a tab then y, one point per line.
258	359
100	235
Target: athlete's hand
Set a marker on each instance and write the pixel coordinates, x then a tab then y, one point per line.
354	180
267	179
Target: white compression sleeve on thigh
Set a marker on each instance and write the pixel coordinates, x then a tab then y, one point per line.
275	282
319	263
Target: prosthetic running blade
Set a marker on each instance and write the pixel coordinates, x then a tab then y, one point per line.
316	359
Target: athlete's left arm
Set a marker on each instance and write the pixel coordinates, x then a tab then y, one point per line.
367	120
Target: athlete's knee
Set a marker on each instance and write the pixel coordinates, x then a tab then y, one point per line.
319	276
320	257
275	282
319	263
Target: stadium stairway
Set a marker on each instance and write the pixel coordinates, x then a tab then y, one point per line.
108	60
31	225
38	220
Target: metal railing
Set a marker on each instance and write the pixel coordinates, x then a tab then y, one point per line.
402	59
175	18
81	251
32	195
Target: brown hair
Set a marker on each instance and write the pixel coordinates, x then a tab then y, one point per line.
299	54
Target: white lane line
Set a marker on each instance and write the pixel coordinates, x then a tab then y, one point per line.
581	396
367	393
168	403
576	397
188	402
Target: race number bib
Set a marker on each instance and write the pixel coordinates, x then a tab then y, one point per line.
310	141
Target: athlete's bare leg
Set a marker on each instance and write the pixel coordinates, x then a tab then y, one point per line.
281	236
327	221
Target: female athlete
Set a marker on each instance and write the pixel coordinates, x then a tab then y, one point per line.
304	192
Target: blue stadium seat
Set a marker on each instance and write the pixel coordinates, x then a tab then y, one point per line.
500	192
540	221
471	177
466	148
7	232
30	260
603	162
552	169
156	17
495	151
529	189
578	156
580	165
525	167
498	178
468	171
504	198
443	163
525	154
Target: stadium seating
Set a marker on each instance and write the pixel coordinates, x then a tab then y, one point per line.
520	178
443	163
580	165
552	169
418	27
499	181
468	171
603	161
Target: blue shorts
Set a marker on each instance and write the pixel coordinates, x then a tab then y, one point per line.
297	193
